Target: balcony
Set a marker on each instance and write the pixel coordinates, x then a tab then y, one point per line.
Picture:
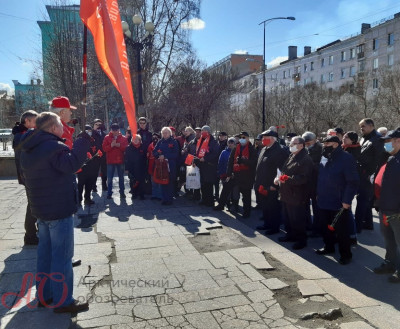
360	55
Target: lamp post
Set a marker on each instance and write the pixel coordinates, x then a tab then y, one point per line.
263	69
138	45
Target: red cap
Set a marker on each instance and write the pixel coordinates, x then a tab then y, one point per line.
61	102
172	128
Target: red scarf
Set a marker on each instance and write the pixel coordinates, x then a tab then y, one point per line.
350	146
244	154
202	148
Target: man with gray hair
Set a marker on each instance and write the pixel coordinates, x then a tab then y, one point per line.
60	105
294	192
48	166
314	149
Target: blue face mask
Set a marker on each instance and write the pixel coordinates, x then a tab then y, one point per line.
242	141
389	147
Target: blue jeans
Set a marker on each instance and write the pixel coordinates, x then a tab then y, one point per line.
110	174
55	276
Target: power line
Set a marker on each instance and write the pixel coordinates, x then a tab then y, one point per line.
17	17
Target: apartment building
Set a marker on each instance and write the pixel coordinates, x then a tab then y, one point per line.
341	62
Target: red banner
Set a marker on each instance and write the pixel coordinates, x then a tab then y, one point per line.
103	19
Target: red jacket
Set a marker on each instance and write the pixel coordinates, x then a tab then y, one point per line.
115	155
67	134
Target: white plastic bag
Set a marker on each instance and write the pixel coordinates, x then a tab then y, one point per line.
193	178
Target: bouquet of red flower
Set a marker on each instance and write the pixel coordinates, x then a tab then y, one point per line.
283	178
99	153
335	220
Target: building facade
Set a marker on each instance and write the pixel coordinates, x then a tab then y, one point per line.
29	97
342	62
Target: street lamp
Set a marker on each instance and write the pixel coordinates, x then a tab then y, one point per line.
138	45
263	105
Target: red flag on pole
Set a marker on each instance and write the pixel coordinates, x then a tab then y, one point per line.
103	19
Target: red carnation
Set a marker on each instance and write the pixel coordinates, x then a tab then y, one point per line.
331	228
284	178
283	126
159	151
262	190
89	155
99	153
385	220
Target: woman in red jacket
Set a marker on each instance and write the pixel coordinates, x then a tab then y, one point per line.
114	145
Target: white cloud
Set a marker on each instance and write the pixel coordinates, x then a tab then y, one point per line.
6	86
275	61
241	52
193	24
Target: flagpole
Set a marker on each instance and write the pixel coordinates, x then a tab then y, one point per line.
84	73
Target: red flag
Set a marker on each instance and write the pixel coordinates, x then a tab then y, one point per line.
103	19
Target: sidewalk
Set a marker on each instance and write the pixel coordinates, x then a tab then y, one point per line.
186	266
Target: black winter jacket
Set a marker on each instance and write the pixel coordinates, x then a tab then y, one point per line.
372	152
135	161
18	131
389	201
208	168
299	168
269	161
244	178
48	167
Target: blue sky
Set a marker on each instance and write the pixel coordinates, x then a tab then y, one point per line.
227	26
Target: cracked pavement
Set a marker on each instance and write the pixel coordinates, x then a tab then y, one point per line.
141	269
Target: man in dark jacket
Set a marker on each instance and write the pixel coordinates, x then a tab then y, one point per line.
337	185
371	157
135	163
387	194
144	132
99	132
206	158
272	157
48	166
241	168
294	192
314	149
28	121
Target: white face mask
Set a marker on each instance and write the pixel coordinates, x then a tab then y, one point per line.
89	132
389	147
293	148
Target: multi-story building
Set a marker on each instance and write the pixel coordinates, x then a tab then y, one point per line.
29	97
341	62
238	64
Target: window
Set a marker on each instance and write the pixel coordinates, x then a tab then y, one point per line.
284	74
352	71
323	78
390	60
331	60
361	66
330	78
343	56
376	63
305	68
312	66
322	62
360	51
390	39
343	73
375	83
375	44
352	53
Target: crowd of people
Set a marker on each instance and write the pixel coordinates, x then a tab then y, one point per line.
303	182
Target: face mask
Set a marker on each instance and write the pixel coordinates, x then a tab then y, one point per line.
389	147
266	142
204	134
89	132
327	151
293	148
242	141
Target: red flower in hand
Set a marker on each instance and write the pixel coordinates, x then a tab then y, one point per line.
284	178
385	220
331	228
99	153
262	190
88	155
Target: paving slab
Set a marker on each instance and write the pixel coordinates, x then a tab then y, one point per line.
249	271
310	288
221	259
382	317
202	320
356	325
274	284
251	255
